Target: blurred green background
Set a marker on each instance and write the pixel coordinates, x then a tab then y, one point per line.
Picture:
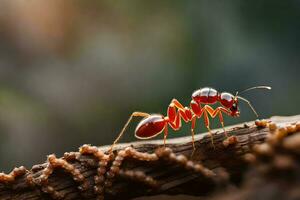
71	72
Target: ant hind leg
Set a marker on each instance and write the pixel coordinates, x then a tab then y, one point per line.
134	114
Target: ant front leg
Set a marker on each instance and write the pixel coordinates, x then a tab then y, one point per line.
221	109
218	111
134	114
222	123
207	109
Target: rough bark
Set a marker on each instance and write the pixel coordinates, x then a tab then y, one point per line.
227	161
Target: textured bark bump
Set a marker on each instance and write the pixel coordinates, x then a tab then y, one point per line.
174	174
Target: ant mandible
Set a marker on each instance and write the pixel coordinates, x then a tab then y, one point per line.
154	124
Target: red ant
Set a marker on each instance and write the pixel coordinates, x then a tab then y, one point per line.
153	124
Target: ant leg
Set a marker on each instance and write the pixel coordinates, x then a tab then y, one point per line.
193	133
165	134
174	125
134	114
222	123
177	103
218	111
211	137
182	112
185	113
206	121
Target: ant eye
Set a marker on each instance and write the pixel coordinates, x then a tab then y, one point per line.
234	107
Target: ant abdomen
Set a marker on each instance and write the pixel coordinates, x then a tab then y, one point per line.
150	126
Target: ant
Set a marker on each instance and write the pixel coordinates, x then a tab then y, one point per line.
154	124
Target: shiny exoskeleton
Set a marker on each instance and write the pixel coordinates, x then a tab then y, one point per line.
154	124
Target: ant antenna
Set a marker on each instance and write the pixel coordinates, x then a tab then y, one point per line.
256	87
248	102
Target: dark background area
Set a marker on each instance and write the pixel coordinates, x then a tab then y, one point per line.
71	72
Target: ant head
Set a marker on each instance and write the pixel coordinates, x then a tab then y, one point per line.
230	102
235	111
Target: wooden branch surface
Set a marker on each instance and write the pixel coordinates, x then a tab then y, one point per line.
172	178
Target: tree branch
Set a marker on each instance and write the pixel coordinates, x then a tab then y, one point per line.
143	169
